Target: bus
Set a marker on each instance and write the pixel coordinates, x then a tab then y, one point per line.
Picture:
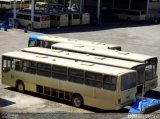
85	18
139	67
82	83
74	18
41	5
151	77
57	18
40	20
41	40
129	14
9	4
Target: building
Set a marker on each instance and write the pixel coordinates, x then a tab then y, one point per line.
103	8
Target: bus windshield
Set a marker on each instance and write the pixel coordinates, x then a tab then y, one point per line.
128	81
150	71
32	43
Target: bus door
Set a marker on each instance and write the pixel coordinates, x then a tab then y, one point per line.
6	67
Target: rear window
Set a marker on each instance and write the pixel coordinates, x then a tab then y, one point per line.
128	81
45	18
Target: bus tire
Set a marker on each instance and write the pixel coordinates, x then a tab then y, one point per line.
20	86
77	100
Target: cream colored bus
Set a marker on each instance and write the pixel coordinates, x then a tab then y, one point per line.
85	83
40	40
9	4
139	67
85	18
74	18
130	15
151	77
40	21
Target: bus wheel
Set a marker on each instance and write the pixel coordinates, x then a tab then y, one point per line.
77	100
20	86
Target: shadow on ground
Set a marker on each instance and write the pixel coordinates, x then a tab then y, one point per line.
89	28
92	109
4	102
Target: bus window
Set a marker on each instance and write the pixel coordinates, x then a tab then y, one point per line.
109	82
29	67
47	44
32	43
59	72
17	64
44	69
75	75
150	72
128	81
76	16
6	64
93	79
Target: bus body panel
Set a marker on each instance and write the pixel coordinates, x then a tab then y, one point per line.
85	18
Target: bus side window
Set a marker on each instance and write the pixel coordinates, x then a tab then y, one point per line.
59	72
47	44
32	43
17	64
6	64
75	75
93	79
149	72
29	67
44	69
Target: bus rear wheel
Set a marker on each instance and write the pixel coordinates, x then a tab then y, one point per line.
20	86
77	100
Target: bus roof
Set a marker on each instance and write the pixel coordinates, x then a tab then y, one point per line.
105	52
84	57
28	13
108	70
74	41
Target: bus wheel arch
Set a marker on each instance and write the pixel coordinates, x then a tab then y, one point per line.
77	100
20	86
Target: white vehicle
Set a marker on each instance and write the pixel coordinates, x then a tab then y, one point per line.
85	18
58	19
80	82
40	40
40	20
130	15
74	18
9	4
151	77
139	67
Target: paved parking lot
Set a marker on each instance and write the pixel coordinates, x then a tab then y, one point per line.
140	38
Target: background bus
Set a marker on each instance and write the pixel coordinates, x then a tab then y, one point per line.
130	15
139	67
40	20
41	5
85	18
74	18
57	19
9	4
40	40
79	82
150	61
